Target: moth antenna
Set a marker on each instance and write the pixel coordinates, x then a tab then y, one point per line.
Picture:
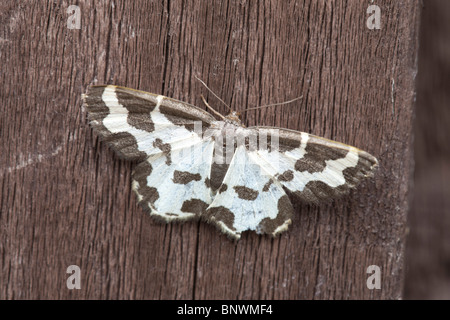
274	104
229	109
209	107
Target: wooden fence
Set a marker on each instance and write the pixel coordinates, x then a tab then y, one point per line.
66	199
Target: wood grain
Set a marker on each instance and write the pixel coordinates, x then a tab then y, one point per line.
66	199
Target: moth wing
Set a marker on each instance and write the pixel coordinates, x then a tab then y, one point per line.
137	124
167	136
249	199
176	187
313	168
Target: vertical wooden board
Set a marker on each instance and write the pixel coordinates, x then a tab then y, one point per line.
66	199
358	87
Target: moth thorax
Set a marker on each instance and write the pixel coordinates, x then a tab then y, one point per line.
234	118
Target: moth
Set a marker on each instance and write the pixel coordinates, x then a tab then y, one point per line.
194	166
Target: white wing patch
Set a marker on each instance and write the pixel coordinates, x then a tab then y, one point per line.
249	200
164	130
177	190
332	175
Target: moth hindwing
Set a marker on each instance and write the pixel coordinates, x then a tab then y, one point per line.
194	166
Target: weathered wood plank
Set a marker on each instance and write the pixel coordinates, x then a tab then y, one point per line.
66	199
